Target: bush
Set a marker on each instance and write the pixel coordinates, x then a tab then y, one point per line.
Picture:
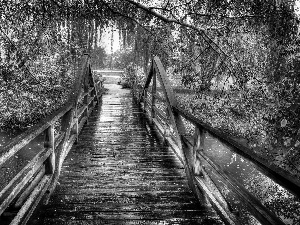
133	75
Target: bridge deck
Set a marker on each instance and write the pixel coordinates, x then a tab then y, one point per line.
119	173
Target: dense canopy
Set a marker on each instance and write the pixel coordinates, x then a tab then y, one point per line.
239	59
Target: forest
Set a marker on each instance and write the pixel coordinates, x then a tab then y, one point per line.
234	63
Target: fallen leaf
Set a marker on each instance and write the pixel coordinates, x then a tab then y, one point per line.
283	122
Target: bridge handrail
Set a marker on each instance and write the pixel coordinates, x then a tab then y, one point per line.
189	151
41	173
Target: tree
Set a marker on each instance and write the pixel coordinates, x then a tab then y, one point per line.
253	44
98	57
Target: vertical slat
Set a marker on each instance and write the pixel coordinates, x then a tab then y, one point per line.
75	129
198	145
86	98
49	143
167	127
66	125
153	95
145	99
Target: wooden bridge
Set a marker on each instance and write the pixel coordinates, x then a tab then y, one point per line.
138	159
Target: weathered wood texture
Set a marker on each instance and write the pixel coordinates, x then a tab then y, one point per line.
22	189
243	205
120	173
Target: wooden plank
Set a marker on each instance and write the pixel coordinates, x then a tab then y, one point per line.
34	198
121	171
224	214
30	188
21	179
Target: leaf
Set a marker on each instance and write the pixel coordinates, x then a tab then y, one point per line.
283	122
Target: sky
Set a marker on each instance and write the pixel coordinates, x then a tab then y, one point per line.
106	40
297	7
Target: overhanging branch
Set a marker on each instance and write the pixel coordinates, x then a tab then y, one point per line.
201	32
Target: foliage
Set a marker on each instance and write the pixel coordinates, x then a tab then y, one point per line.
133	75
98	57
122	58
240	57
39	54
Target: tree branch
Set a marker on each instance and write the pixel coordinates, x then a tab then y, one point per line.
201	32
166	20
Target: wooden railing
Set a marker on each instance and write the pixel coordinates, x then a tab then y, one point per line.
206	178
60	130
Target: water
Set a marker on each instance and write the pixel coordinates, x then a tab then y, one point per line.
6	137
18	161
272	195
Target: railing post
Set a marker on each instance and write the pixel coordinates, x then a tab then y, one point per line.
198	145
66	127
86	98
49	143
167	126
99	90
75	130
145	100
153	96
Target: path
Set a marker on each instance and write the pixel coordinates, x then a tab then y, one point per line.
119	173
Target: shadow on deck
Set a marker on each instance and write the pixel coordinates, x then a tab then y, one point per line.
120	173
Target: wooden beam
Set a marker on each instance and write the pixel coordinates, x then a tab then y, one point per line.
277	174
30	188
50	144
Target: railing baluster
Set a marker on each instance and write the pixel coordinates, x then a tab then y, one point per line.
167	126
86	102
153	96
198	145
75	129
49	143
65	127
145	99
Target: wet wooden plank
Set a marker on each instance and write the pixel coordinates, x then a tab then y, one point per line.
120	173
